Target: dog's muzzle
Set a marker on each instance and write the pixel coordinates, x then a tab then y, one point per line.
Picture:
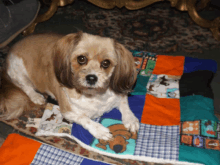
91	79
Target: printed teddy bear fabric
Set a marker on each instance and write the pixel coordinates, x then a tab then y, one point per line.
175	110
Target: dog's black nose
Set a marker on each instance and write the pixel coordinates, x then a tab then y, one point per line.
91	79
117	148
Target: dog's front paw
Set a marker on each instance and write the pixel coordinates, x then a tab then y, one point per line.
99	131
131	123
37	98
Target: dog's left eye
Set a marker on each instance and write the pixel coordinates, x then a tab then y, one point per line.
105	64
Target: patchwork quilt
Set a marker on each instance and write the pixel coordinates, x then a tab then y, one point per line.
173	101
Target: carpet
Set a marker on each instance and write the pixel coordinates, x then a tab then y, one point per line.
156	28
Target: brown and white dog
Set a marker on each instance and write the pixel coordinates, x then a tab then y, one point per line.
87	74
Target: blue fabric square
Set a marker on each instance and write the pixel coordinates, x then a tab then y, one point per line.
195	64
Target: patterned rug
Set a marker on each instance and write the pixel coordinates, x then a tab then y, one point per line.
156	28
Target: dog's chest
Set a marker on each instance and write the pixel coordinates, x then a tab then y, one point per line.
96	106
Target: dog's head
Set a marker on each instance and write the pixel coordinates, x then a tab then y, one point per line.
91	64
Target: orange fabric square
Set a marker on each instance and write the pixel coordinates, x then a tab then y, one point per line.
161	111
18	150
169	65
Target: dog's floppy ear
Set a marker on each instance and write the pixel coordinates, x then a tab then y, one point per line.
125	74
62	58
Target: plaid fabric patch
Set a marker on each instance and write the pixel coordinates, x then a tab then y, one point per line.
158	142
48	155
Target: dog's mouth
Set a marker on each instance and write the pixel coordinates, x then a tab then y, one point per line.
90	88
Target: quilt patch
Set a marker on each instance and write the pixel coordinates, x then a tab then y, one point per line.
123	141
169	65
163	86
161	111
158	142
48	155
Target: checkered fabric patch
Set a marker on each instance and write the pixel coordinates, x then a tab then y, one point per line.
158	142
47	155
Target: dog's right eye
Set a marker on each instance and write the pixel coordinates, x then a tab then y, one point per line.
82	60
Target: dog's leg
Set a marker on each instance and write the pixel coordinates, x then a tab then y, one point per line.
69	113
19	76
129	120
96	129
